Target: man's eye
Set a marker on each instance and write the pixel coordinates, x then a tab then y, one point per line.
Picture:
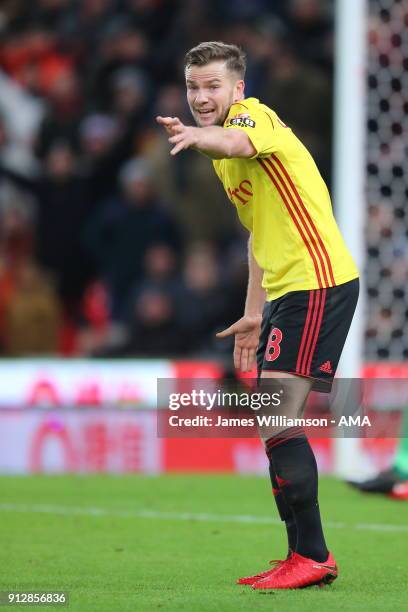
214	87
193	87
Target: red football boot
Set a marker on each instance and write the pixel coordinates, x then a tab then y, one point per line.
399	491
277	563
298	572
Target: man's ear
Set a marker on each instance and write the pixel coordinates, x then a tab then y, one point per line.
239	90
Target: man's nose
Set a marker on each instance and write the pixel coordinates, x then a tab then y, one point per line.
201	97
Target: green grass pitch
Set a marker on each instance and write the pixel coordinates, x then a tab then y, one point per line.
119	543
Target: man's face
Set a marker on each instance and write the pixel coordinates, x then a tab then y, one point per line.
211	90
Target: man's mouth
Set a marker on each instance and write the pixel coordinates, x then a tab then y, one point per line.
204	111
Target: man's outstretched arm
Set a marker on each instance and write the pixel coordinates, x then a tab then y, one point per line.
214	141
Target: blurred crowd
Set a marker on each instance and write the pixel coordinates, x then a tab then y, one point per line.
108	246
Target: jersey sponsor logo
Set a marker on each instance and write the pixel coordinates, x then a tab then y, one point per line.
242	120
241	194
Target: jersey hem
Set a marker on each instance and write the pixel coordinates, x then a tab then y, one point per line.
270	296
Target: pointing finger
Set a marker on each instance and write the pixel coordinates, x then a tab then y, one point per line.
162	120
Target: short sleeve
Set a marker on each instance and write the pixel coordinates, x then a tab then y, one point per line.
257	123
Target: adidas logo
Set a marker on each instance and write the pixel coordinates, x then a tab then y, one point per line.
326	367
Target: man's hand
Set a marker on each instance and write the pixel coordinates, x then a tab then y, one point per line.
246	331
182	136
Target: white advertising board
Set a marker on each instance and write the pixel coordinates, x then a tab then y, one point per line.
79	441
80	382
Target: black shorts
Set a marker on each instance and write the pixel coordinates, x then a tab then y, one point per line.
303	332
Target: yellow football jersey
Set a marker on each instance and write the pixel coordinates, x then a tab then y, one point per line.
283	201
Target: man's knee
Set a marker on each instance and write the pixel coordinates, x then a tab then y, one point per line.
288	394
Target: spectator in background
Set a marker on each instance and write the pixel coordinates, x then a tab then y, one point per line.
125	227
79	25
63	207
29	55
20	116
170	181
16	247
202	304
120	45
129	103
16	231
98	335
102	152
130	94
32	315
153	327
161	268
64	111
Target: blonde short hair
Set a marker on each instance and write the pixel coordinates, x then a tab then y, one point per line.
207	52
